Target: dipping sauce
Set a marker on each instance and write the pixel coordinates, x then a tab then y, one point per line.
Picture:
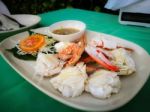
65	31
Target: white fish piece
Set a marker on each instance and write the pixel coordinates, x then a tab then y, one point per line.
61	45
48	65
124	61
71	81
103	83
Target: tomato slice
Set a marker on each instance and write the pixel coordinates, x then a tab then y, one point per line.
32	43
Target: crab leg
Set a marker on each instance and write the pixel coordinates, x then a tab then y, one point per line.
100	58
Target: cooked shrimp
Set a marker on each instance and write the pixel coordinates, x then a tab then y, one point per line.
73	52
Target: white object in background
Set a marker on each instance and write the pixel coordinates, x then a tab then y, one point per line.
118	4
132	12
27	20
136	14
3	8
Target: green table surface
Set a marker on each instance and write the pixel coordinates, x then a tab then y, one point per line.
17	95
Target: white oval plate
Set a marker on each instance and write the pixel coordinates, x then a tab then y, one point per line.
131	85
27	20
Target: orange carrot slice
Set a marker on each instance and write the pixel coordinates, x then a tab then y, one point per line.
32	43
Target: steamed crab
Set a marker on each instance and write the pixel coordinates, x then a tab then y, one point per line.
71	64
110	55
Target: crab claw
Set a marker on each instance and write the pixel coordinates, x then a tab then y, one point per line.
100	58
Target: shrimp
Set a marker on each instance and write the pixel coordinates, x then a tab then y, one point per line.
72	53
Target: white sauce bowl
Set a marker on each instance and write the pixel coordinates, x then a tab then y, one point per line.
68	24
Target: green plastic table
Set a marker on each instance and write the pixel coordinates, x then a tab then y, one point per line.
17	95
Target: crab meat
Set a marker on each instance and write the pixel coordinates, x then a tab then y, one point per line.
107	44
100	58
103	83
123	60
48	65
71	81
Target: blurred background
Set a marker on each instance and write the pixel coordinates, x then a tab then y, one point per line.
40	6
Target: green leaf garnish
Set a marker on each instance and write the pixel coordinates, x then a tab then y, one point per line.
28	57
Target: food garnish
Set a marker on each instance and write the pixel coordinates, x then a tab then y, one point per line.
28	48
32	43
20	55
